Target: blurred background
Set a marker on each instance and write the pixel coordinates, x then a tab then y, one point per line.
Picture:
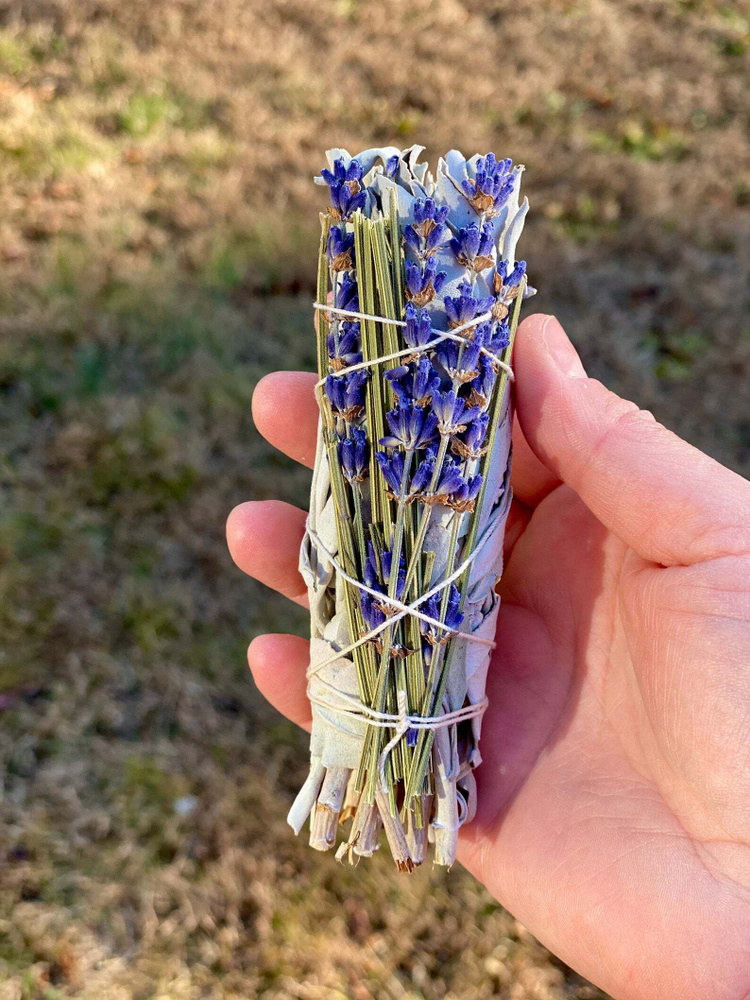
158	235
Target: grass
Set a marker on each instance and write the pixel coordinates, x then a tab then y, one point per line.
157	249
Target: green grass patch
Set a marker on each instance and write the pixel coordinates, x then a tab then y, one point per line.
641	140
149	110
15	57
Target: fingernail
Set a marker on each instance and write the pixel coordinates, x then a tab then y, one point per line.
561	351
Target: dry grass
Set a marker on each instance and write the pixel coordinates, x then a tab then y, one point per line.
154	174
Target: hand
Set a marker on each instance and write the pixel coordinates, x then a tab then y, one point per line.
614	797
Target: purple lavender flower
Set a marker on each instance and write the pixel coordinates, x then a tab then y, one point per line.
371	606
492	185
431	607
371	611
411	427
453	616
347	351
428	232
503	279
392	467
463	307
347	296
377	571
418	330
451	412
422	478
468	446
451	488
423	283
449	481
473	249
461	361
340	248
347	394
482	386
386	565
464	497
500	338
353	455
346	190
414	382
371	573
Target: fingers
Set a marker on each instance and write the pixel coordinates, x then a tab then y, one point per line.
264	539
279	665
664	498
531	480
286	413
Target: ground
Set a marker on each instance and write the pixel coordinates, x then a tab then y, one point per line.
157	245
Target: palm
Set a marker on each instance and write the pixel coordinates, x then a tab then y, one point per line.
613	798
611	752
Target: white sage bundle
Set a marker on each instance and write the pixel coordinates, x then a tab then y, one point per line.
418	300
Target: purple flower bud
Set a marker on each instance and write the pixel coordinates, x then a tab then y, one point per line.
346	293
428	232
462	361
453	617
410	426
483	384
473	248
415	382
423	281
373	616
463	307
346	352
392	466
347	394
475	433
347	195
340	248
465	494
431	608
413	278
492	185
504	282
412	238
353	455
418	330
450	479
500	338
451	412
423	475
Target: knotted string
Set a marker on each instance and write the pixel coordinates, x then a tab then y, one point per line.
402	609
411	351
402	722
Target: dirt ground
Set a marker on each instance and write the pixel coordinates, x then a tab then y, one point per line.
157	244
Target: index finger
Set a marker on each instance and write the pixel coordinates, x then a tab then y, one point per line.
286	413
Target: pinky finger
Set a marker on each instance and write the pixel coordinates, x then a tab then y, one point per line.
279	666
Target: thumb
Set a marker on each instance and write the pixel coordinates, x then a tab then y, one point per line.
667	500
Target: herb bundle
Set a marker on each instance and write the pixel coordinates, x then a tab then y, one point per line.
418	300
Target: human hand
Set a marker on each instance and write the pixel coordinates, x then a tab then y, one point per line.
614	797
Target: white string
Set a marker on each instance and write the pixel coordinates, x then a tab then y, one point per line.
403	609
402	721
401	728
447	335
